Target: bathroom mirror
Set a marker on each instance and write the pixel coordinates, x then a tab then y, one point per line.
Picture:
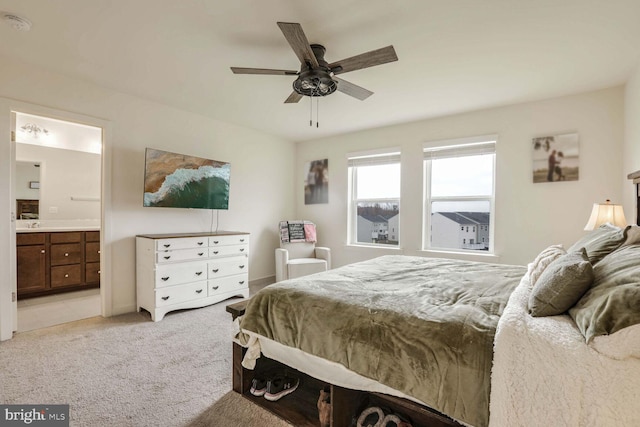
27	190
58	170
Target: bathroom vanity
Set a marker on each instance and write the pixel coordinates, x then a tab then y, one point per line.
53	261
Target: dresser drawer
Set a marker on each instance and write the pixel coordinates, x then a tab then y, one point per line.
92	251
182	255
66	275
181	293
181	243
236	239
228	267
228	250
23	239
63	254
66	237
169	275
92	236
92	272
229	283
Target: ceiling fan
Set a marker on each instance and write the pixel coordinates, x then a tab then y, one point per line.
317	77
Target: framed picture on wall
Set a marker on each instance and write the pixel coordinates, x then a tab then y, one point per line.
316	182
556	158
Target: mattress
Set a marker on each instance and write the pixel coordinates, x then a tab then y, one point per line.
420	326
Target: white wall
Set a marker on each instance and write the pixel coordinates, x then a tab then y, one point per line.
631	141
529	216
65	174
261	169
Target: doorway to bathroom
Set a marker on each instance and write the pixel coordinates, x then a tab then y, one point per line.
57	188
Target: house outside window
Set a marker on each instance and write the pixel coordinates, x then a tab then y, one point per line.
374	194
459	178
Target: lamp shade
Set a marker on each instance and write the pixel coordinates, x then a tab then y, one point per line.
606	212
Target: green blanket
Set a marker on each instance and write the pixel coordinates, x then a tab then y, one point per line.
424	326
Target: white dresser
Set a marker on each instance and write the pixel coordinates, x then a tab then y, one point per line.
176	271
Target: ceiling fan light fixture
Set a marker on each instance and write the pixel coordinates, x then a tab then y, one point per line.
316	82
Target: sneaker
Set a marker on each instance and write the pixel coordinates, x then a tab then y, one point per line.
371	417
258	387
279	387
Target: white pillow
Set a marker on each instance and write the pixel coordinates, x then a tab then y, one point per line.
542	261
620	345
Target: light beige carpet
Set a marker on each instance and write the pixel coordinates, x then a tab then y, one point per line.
130	371
233	410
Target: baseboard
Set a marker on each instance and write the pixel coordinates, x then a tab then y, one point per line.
124	309
263	281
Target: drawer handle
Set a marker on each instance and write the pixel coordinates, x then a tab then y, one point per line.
200	243
166	246
216	252
98	271
164	279
66	275
241	240
200	253
66	254
241	282
241	266
165	298
215	287
241	249
167	257
198	291
198	273
216	241
42	251
215	270
98	251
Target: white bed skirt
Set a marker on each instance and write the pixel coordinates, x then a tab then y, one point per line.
314	366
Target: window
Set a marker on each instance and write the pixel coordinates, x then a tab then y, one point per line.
374	209
459	195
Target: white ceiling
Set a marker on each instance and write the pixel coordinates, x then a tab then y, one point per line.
454	55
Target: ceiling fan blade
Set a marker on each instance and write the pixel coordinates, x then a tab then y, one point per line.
299	43
351	89
365	60
293	98
240	70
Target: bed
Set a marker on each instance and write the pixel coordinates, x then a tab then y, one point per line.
459	337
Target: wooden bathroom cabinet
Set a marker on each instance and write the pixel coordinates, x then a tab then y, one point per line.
54	262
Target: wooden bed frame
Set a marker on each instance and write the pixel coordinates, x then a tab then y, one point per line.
635	176
300	407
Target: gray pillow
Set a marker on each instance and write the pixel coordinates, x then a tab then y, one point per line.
613	303
561	284
601	241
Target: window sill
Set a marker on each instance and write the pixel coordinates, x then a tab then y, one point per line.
470	256
385	247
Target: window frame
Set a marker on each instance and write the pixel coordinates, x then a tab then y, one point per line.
369	158
461	146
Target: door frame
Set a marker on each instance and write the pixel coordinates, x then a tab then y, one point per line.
8	283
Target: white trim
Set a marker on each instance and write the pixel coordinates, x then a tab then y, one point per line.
378	158
460	141
470	146
7	234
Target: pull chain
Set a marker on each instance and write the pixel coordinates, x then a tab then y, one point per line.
311	111
317	112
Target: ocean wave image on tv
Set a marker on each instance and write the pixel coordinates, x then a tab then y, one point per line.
176	180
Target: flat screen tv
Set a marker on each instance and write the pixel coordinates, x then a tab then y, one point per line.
174	180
